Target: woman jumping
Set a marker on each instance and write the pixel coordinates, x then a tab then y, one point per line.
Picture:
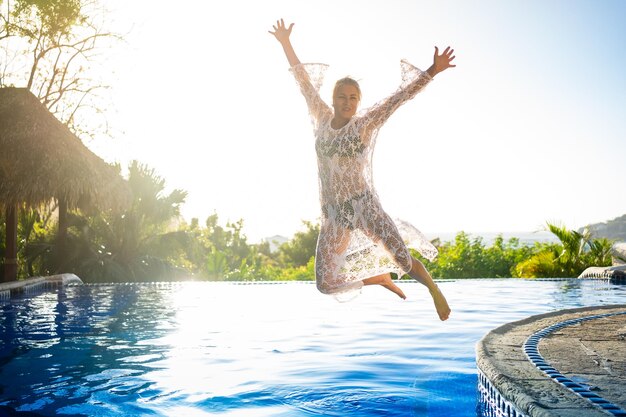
359	244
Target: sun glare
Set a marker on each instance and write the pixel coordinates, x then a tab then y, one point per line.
208	337
210	104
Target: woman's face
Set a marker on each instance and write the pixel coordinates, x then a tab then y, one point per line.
346	101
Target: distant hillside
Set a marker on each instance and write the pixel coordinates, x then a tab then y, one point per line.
525	238
275	241
613	229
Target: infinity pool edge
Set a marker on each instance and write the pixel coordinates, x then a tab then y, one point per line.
516	382
8	289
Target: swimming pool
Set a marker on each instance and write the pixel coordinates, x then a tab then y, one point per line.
283	350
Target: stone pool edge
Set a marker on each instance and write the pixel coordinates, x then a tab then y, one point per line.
9	289
507	372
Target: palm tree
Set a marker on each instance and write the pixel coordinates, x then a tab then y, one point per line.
572	258
600	252
576	252
141	244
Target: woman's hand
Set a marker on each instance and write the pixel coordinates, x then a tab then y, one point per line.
441	62
281	33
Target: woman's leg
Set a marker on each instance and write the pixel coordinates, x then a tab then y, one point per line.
331	245
383	231
419	273
385	281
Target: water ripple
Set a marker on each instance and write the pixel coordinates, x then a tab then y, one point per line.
202	349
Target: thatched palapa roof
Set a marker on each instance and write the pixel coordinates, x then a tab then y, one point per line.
41	159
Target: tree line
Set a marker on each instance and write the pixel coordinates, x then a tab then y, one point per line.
150	241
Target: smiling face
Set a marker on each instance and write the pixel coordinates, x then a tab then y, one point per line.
346	98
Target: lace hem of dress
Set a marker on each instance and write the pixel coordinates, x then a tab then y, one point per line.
415	239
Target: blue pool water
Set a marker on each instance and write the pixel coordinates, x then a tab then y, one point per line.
281	350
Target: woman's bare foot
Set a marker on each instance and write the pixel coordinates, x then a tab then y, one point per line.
443	310
419	273
385	281
391	286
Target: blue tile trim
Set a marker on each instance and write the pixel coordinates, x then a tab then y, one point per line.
492	403
36	285
532	353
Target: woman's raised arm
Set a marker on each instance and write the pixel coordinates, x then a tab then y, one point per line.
282	33
416	80
309	88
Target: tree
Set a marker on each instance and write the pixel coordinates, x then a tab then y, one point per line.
216	265
34	226
143	243
575	252
301	248
219	252
600	252
467	257
53	48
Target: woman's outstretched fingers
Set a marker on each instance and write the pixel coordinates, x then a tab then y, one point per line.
443	61
281	32
448	53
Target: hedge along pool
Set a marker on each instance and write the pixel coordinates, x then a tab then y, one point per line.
283	350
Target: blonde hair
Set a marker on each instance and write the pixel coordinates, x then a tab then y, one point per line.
347	81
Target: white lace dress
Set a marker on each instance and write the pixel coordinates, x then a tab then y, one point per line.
357	238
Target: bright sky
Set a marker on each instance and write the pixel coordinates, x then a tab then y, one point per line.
528	128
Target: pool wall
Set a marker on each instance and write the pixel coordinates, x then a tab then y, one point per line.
35	285
492	403
511	384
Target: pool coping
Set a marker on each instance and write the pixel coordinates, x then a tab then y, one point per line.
583	389
34	284
511	379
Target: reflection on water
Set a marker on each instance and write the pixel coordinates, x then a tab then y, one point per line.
197	349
